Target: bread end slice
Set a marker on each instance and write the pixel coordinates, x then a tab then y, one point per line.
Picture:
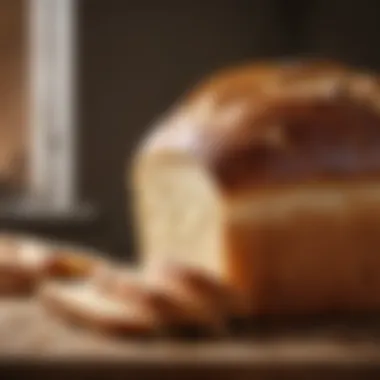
25	262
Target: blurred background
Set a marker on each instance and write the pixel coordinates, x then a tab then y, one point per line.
81	80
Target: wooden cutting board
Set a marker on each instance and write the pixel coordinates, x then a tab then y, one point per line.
31	340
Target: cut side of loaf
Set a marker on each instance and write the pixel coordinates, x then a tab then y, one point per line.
179	211
82	304
267	178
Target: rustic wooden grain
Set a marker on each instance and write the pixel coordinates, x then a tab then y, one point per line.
31	338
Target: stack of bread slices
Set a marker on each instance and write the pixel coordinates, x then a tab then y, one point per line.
82	287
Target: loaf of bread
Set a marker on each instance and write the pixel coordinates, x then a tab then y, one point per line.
268	177
25	262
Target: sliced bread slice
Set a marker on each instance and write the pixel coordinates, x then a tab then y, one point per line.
81	303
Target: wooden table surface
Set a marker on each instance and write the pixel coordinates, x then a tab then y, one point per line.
32	340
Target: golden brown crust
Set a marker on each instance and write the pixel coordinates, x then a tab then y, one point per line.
72	263
310	250
255	79
270	123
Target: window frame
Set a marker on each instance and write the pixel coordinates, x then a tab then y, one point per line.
52	191
52	122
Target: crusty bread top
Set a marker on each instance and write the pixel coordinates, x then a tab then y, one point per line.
273	123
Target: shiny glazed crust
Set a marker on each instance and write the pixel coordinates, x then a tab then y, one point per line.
267	124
